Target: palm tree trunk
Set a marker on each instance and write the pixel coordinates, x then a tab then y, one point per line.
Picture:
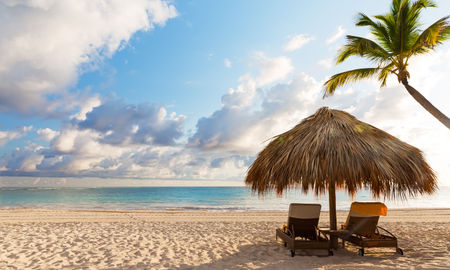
426	104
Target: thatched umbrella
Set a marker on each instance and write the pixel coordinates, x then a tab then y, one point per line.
332	149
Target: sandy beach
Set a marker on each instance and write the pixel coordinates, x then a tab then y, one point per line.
67	239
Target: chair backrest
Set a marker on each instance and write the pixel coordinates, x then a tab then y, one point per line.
363	217
303	219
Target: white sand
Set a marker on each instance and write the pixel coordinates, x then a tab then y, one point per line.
47	239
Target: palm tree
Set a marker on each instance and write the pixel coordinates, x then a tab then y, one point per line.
398	39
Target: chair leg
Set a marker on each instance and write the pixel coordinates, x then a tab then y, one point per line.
361	252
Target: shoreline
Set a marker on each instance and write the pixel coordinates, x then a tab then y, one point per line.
189	209
168	210
27	215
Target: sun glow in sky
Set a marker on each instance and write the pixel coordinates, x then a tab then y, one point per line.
182	92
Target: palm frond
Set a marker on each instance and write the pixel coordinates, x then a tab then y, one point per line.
407	22
389	23
396	6
411	22
404	26
420	4
377	29
416	8
384	73
396	23
343	78
434	35
363	47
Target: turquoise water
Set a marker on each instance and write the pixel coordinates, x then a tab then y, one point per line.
187	198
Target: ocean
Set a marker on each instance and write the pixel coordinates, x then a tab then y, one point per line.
189	199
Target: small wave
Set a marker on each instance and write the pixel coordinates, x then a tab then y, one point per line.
11	188
206	208
27	188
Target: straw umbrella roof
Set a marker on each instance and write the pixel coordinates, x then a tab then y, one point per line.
334	145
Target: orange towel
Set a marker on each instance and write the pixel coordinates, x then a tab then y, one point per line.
369	208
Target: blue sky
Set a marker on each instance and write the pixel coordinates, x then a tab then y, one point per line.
172	92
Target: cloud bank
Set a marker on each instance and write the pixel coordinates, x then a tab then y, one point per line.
116	139
46	45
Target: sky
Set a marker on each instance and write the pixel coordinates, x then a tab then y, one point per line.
155	92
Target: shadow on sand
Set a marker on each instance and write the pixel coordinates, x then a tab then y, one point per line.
272	255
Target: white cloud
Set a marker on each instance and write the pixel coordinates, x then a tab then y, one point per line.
296	42
339	33
243	129
86	106
7	136
243	95
30	162
47	134
326	63
271	69
22	160
227	63
46	44
72	140
120	123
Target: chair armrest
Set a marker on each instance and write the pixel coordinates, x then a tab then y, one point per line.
287	232
384	230
323	233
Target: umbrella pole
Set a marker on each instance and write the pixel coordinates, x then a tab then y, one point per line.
332	204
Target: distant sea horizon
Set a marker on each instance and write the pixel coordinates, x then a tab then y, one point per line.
194	198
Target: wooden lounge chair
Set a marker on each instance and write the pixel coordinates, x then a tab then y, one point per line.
301	231
361	227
